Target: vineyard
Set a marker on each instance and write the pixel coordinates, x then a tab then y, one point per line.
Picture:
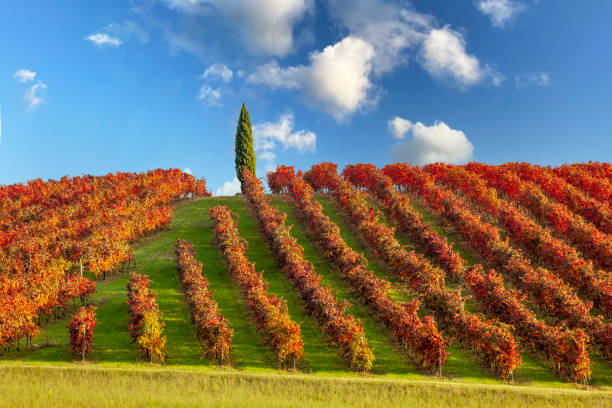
472	274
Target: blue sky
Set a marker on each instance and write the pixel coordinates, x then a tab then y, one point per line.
90	87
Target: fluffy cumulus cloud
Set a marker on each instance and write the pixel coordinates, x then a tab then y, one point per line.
500	12
341	79
188	171
229	188
267	136
398	32
218	71
532	79
32	96
444	56
390	29
399	127
337	78
265	25
103	39
24	75
430	144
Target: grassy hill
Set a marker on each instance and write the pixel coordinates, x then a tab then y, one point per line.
48	377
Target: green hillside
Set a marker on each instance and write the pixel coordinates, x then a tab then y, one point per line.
321	376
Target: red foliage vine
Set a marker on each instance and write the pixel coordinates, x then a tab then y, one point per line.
566	348
343	329
492	341
50	231
212	328
545	288
269	312
409	220
146	326
537	241
420	336
556	187
81	331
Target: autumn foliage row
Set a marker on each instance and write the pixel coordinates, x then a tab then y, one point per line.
212	328
558	255
596	169
493	341
269	312
419	336
567	349
408	219
588	181
146	326
51	231
81	331
544	288
597	212
593	243
343	329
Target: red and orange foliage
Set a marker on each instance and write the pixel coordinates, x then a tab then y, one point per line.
212	328
81	331
343	329
545	288
556	187
419	336
270	313
596	169
581	177
567	349
593	243
146	326
493	341
533	238
51	230
408	219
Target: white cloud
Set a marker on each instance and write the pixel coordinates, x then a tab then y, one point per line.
209	96
336	80
444	56
188	171
32	98
266	25
532	79
218	70
267	135
229	188
382	36
103	39
430	144
500	11
390	29
24	75
399	127
340	76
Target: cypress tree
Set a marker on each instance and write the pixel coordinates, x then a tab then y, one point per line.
245	154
